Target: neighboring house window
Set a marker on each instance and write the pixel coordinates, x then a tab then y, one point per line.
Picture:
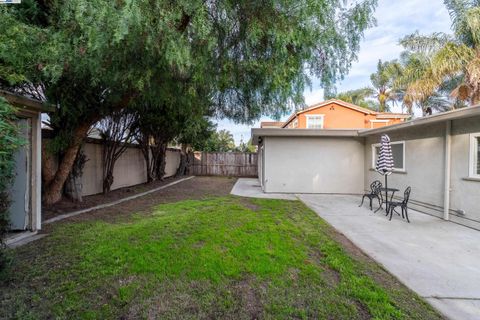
295	123
398	153
475	155
315	121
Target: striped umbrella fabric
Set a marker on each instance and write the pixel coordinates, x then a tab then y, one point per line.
385	157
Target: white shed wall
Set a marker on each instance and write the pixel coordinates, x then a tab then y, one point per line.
313	165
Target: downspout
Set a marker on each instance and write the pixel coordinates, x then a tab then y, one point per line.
448	157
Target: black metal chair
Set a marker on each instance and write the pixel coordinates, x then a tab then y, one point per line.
374	193
402	204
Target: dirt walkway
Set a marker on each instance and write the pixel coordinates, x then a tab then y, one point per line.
196	188
67	206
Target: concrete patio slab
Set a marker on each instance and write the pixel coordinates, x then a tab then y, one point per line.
250	187
437	259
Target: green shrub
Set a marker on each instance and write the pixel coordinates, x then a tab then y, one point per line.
9	143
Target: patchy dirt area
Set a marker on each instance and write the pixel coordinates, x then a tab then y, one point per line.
66	206
196	188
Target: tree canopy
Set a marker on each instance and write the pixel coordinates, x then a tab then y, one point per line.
219	141
235	59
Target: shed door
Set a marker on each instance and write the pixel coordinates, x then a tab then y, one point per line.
20	208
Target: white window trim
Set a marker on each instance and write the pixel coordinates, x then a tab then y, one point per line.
307	116
392	143
473	156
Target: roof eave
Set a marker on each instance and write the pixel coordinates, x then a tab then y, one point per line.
26	103
258	133
436	118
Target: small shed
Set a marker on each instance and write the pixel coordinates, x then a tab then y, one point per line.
25	210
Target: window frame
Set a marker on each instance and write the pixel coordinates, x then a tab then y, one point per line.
309	116
473	163
375	145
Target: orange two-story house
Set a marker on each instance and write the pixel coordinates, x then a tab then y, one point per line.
337	114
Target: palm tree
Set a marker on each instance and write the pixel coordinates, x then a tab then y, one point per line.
454	57
359	97
413	68
383	83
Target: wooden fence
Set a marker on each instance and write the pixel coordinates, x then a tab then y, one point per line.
232	164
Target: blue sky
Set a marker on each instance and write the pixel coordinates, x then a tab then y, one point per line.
394	20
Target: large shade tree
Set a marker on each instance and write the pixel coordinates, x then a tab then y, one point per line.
250	57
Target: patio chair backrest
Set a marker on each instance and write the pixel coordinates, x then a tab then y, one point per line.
406	195
375	187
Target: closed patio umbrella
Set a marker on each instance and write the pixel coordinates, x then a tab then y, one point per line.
385	161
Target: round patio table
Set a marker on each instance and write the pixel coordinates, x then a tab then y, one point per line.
392	190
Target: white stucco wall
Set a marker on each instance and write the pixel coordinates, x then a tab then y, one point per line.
313	165
424	164
465	193
425	170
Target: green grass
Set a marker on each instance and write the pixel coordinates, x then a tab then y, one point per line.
217	258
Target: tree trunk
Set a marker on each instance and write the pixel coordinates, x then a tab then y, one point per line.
160	159
145	147
73	186
48	164
107	182
108	165
182	168
190	159
53	190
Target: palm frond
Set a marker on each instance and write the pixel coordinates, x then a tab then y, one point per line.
451	60
425	44
472	22
473	79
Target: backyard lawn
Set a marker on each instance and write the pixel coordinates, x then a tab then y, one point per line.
212	256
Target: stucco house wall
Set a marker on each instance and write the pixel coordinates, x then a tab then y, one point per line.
340	115
425	149
336	117
465	192
312	165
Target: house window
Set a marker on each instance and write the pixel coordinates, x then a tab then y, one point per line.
475	155
398	154
295	123
315	121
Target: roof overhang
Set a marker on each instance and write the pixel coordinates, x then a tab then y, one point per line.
259	133
392	116
436	118
25	103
